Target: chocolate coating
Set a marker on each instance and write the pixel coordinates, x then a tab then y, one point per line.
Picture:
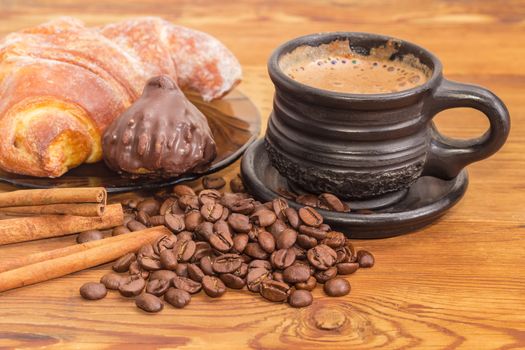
161	134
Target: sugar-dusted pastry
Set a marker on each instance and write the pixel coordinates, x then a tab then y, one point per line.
161	134
62	84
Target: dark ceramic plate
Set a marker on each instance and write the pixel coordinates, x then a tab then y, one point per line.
234	121
425	201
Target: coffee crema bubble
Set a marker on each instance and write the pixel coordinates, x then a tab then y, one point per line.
335	67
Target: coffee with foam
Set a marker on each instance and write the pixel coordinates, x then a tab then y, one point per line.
336	67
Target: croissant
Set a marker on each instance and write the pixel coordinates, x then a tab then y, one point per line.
62	84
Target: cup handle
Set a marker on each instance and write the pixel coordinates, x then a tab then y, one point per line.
447	156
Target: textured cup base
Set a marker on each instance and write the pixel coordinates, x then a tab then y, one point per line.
427	199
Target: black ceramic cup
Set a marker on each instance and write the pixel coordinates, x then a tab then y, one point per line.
372	146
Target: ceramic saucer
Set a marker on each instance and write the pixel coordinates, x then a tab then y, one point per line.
424	202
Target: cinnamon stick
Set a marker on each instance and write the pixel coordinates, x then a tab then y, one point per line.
81	209
31	228
53	196
88	255
22	260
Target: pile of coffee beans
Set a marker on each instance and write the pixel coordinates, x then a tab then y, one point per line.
229	240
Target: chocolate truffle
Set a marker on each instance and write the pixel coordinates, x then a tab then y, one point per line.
161	134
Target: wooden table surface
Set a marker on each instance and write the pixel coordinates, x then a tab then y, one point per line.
459	283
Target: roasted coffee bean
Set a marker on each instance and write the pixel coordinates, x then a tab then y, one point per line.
278	276
195	272
209	196
365	258
225	214
236	185
334	239
314	232
201	249
166	275
306	242
149	303
174	222
149	263
274	290
136	271
182	270
204	231
168	260
177	210
310	284
133	202
189	202
177	297
192	219
221	239
186	284
143	218
157	220
185	236
123	263
291	217
286	239
322	257
232	281
277	227
134	225
337	287
184	250
331	202
165	242
229	199
127	218
346	253
307	200
239	242
166	206
255	264
347	268
296	273
253	234
132	287
211	211
213	286
310	216
266	241
255	277
263	218
279	205
88	236
243	206
150	206
112	280
255	251
183	190
120	230
93	291
325	275
300	298
158	287
206	265
282	258
213	182
226	263
147	250
239	222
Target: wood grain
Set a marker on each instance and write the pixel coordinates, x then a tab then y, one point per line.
458	284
